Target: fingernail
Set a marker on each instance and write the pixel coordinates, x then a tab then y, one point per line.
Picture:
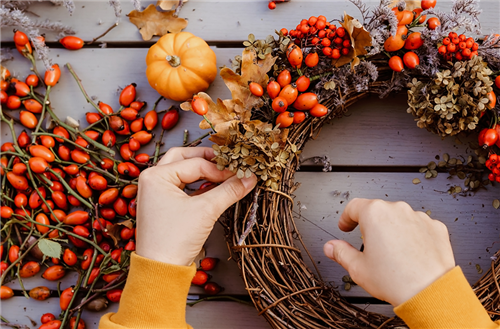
328	250
249	182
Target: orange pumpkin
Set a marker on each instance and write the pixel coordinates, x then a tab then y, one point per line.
180	65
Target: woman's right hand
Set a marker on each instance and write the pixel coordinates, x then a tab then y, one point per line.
404	250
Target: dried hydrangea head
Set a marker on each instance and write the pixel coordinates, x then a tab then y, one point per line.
257	149
454	100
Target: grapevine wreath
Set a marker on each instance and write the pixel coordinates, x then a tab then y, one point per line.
283	90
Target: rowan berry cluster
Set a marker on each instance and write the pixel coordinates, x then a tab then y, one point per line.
493	164
488	137
458	47
317	32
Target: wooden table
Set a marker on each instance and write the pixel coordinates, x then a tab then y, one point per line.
375	151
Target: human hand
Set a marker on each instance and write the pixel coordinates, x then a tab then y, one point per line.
404	250
171	225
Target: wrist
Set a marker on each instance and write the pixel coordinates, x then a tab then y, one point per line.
418	283
159	255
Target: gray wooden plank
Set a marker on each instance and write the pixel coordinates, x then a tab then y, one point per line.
240	17
379	132
206	315
472	221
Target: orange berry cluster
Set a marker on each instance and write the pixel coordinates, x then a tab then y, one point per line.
487	138
458	47
292	101
493	164
272	3
318	32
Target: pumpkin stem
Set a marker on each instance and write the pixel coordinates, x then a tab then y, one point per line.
174	61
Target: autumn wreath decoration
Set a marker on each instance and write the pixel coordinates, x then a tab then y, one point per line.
285	88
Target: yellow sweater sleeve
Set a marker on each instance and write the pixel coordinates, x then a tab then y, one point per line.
449	302
154	296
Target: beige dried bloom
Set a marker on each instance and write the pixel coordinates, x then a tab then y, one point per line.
454	100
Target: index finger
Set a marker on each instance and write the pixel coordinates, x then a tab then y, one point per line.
182	153
351	215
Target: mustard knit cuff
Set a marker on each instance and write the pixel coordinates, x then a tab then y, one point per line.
154	296
449	302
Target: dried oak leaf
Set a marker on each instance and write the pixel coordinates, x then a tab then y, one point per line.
151	22
169	4
252	70
225	114
360	38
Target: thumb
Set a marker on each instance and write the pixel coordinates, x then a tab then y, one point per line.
342	252
226	194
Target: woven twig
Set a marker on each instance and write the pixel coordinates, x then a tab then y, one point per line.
283	289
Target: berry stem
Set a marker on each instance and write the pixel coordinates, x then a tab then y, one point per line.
210	123
42	115
79	82
157	148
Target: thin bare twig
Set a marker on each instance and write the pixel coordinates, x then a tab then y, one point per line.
102	35
252	218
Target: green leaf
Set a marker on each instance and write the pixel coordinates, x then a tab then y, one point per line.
111	269
50	248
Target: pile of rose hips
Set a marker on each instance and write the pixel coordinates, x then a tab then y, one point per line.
272	3
458	47
63	182
317	32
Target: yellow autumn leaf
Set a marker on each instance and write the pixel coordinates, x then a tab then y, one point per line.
151	22
360	38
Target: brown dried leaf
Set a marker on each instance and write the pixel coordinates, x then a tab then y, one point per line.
252	70
221	116
169	4
226	113
360	38
151	22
